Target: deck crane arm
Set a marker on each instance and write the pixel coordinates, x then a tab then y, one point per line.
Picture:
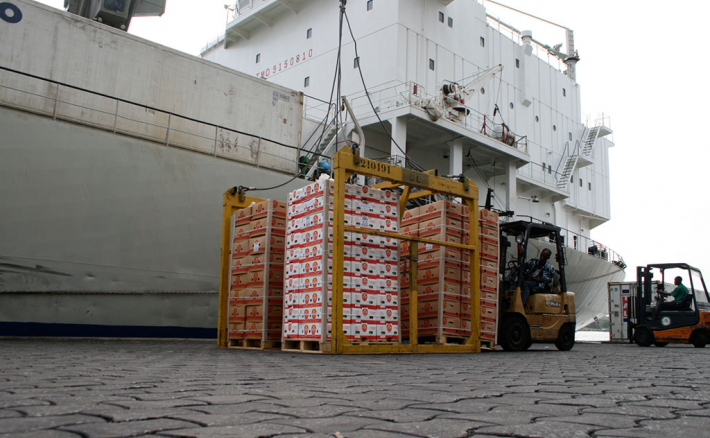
455	95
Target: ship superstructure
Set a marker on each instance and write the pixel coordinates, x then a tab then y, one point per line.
452	89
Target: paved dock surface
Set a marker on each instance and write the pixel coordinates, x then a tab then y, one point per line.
80	388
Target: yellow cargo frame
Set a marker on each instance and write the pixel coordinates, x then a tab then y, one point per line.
348	164
231	201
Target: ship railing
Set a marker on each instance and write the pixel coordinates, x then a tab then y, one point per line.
394	95
73	104
539	50
541	172
581	243
502	133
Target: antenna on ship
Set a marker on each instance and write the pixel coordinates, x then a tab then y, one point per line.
570	59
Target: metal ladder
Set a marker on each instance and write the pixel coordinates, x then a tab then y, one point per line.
570	165
590	140
324	148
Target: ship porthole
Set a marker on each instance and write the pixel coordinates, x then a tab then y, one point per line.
10	13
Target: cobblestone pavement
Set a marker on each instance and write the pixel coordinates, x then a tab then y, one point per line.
79	388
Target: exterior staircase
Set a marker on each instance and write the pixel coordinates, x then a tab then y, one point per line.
581	156
325	147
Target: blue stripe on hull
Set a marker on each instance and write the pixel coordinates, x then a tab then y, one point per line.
28	329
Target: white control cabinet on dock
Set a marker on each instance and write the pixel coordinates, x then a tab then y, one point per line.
619	302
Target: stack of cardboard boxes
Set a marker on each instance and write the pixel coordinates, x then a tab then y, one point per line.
257	273
439	277
370	284
444	274
488	233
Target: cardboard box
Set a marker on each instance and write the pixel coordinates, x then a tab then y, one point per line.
243	215
236	330
240	248
452	209
243	230
488	231
488	216
434	274
489	282
411	216
237	313
255	313
257	245
446	287
489	251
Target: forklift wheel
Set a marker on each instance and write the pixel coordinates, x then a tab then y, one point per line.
698	339
565	338
660	344
515	335
643	337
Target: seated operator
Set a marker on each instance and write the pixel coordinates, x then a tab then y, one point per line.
538	272
679	294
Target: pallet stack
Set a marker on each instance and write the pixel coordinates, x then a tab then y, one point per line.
257	276
440	277
488	234
444	274
370	283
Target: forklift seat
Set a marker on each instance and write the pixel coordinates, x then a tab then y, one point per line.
687	301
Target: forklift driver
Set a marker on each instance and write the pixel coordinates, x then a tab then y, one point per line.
679	294
538	275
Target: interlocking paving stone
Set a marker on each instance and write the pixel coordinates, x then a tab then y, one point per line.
249	430
41	434
127	429
436	428
191	388
541	429
25	424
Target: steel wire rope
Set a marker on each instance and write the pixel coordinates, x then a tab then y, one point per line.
367	94
480	174
336	80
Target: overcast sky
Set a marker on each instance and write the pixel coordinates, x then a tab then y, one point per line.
642	64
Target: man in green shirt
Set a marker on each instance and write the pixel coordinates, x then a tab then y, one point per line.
679	293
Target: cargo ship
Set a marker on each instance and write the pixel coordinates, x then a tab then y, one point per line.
117	150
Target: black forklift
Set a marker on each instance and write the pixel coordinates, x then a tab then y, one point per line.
549	314
655	321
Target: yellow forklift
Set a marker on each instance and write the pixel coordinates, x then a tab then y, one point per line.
653	320
549	314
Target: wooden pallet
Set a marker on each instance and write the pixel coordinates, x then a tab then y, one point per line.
306	346
446	339
488	344
254	344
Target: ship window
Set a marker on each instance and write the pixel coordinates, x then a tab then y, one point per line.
581	183
441	17
309	33
537	119
590	186
564	92
549	169
369	5
554	127
511	105
517	63
483	42
432	64
544	166
307	82
356	63
571	179
483	90
451	22
258	58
